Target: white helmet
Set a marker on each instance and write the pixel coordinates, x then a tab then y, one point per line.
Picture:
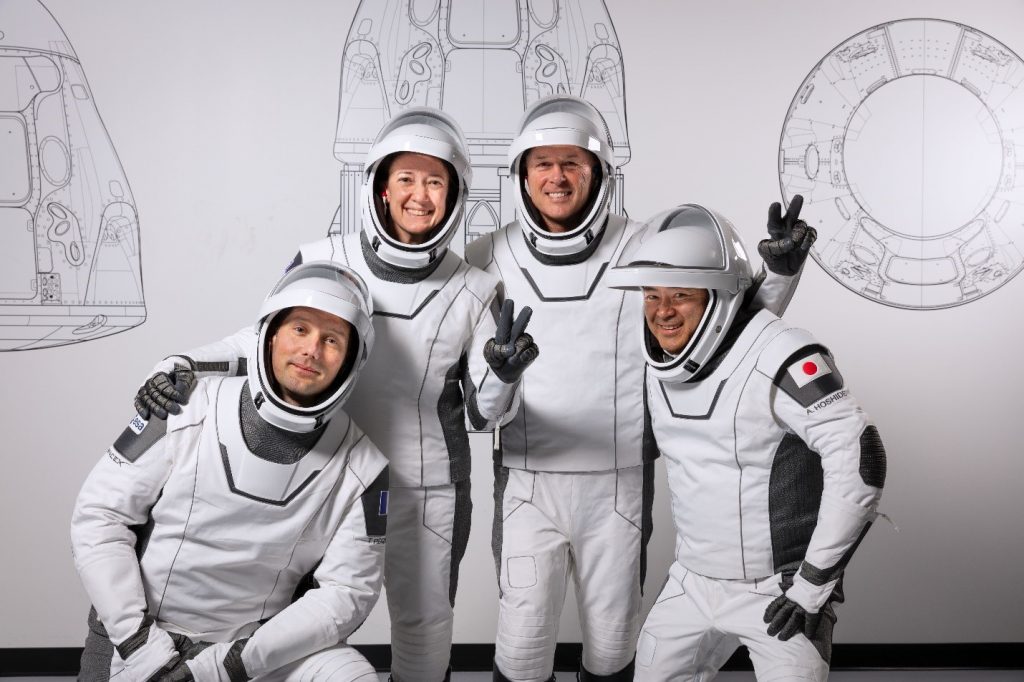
689	247
564	120
420	130
332	288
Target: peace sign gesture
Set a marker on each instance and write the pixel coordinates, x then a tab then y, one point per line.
511	350
790	239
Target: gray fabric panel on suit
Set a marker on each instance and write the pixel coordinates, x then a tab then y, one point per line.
794	496
872	458
460	533
269	442
451	414
500	483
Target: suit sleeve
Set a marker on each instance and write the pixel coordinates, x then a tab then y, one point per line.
227	357
349	580
117	495
812	400
775	292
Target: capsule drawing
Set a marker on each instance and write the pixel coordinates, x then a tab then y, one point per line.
70	265
483	63
906	143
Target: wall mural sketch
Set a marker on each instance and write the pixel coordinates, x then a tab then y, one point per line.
907	141
70	267
483	63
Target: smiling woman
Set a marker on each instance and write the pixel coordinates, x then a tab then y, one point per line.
415	196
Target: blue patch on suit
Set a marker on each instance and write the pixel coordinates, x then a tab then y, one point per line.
375	506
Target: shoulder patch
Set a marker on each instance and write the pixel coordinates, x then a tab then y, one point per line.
809	375
375	507
139	436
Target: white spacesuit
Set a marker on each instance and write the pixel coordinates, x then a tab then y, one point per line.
433	314
192	534
774	470
574	472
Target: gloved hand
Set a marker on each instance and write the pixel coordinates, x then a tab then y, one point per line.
221	662
166	391
786	618
149	653
511	350
790	239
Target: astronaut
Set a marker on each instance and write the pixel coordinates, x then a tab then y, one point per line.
574	467
774	470
192	533
444	351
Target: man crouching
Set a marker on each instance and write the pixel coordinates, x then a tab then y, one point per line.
193	533
775	472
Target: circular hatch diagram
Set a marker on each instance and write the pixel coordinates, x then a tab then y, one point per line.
907	143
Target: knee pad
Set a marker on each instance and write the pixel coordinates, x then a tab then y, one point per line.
608	647
421	654
624	675
524	648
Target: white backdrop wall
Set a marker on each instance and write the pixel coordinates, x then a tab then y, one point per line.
223	115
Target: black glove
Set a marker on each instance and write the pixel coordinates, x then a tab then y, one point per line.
790	239
786	618
511	350
165	392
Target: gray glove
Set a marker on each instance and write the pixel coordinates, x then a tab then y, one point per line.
511	350
146	655
165	392
786	618
207	662
790	239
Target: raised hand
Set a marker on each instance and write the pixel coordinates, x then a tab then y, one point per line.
511	350
789	239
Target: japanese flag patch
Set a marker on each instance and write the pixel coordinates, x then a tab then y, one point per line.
807	370
809	375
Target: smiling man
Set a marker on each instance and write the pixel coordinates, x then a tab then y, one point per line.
193	534
574	468
306	351
775	471
672	314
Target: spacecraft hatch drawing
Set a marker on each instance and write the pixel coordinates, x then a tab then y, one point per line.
70	267
907	142
483	63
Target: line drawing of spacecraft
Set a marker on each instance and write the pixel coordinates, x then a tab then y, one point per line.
70	263
483	63
907	142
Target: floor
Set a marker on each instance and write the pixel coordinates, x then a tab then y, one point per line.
838	676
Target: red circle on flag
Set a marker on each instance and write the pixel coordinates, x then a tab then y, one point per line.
810	367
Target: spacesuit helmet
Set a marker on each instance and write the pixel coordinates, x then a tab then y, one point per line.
693	247
329	287
563	120
420	130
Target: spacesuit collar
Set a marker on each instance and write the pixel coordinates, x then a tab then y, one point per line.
269	442
569	258
739	324
381	269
